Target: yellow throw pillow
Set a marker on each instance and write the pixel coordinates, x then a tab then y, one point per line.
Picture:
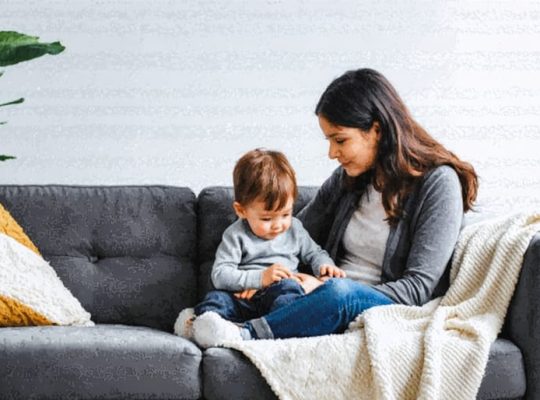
10	227
31	293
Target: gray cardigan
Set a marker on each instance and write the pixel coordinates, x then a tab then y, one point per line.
419	247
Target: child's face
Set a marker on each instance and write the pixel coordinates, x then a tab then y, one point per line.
266	224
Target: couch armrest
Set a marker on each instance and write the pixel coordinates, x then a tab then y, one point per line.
523	318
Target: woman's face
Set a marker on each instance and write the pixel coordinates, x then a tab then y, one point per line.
355	149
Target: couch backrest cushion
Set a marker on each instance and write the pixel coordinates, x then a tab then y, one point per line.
215	215
127	253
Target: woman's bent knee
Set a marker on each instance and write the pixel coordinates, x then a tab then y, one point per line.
341	287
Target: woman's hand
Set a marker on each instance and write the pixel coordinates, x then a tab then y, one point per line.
275	273
308	282
331	271
246	294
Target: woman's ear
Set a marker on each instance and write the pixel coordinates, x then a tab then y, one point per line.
377	129
239	210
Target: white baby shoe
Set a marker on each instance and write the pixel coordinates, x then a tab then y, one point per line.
210	330
184	323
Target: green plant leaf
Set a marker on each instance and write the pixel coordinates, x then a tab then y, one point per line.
18	101
17	47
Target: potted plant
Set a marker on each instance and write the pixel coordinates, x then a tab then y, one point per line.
17	47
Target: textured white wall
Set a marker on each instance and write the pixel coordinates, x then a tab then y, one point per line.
173	92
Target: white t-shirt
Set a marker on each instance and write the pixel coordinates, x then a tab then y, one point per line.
364	240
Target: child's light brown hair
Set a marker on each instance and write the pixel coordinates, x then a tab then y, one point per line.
264	175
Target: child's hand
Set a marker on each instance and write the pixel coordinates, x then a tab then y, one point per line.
331	271
275	273
246	294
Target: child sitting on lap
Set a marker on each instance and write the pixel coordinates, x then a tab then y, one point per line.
256	265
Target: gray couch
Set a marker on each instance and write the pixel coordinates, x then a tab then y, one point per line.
135	256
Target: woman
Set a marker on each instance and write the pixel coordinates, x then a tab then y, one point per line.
389	215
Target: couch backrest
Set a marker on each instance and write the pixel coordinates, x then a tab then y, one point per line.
215	214
126	252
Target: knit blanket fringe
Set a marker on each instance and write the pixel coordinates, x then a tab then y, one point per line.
437	351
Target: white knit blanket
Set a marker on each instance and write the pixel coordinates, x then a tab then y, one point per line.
438	351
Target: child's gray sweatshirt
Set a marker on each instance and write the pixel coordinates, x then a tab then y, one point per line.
242	257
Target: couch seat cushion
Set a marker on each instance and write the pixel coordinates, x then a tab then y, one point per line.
100	362
228	374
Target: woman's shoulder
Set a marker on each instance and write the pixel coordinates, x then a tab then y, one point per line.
442	174
441	182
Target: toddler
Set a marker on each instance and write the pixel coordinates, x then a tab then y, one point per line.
256	264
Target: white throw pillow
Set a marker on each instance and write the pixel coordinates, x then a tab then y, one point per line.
31	293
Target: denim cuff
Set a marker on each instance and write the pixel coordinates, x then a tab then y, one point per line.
261	328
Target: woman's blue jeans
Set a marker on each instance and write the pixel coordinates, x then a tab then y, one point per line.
328	309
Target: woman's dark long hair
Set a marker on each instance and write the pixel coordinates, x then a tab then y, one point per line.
406	151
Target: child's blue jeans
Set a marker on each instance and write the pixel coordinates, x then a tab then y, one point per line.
328	309
263	301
